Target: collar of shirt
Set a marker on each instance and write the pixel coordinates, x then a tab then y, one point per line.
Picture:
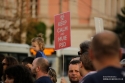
91	72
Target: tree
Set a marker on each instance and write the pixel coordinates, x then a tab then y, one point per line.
120	27
41	28
14	20
52	34
33	29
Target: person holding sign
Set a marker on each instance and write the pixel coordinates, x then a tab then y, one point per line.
38	45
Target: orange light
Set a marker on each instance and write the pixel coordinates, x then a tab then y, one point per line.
48	51
32	51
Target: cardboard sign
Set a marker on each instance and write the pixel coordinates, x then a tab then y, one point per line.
62	30
98	24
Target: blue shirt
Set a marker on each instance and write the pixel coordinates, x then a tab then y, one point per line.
107	75
40	54
44	79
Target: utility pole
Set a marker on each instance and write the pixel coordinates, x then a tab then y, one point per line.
21	17
60	6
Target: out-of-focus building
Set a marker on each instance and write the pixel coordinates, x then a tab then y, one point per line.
82	15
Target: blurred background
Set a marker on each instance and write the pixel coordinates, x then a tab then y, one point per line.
21	20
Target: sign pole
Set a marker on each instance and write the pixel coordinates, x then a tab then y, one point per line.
62	30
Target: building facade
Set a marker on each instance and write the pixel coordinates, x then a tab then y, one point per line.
82	15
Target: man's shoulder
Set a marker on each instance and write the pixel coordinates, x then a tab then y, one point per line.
108	75
44	79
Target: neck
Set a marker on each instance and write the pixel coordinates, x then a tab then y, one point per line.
114	62
41	74
85	72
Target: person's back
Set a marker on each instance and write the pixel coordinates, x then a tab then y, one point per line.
107	75
105	54
43	79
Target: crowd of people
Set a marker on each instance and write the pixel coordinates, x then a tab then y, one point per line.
98	61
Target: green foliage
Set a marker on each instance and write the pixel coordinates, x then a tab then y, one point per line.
52	34
33	29
41	28
120	27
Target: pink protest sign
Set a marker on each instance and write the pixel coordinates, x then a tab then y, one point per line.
62	35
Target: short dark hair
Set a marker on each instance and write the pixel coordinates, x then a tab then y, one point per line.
11	61
75	62
43	63
84	58
105	44
28	60
19	73
84	46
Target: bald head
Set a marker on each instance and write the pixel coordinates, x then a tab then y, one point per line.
42	63
105	44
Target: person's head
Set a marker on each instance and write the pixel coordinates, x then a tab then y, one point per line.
122	62
84	46
38	42
105	46
73	71
52	74
86	64
40	65
9	61
18	74
28	62
76	58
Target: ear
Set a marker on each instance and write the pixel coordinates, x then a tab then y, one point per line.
120	53
91	56
37	68
81	65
